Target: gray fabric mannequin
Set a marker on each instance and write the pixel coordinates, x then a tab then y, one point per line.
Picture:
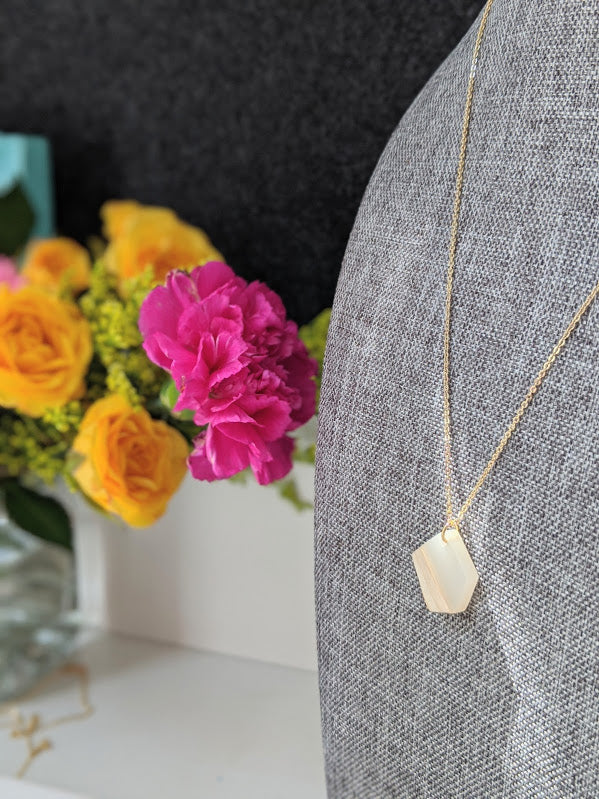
501	701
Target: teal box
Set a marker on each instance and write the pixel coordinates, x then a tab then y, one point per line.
26	161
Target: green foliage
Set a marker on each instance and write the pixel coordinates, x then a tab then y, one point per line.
41	449
188	429
314	336
288	490
305	454
38	514
242	477
16	220
169	396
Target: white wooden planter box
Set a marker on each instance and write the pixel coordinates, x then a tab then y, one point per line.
229	569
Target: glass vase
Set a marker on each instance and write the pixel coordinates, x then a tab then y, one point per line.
37	601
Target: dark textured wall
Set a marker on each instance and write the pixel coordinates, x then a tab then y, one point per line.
259	121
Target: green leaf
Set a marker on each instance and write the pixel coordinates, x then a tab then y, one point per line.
289	491
16	220
188	430
306	455
241	477
169	395
314	335
40	515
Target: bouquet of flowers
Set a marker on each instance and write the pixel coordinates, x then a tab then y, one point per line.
157	359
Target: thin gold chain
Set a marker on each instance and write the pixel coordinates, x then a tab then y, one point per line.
30	729
453	242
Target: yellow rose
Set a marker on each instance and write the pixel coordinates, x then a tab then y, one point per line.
116	214
145	236
45	349
52	263
132	464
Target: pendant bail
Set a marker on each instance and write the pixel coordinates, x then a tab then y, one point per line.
450	524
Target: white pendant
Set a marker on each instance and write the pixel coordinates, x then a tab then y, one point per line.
446	572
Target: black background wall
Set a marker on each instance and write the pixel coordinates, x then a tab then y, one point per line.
259	121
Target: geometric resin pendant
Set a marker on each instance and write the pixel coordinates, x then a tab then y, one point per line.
446	572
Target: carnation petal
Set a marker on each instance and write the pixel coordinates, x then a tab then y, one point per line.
167	352
226	455
270	413
244	436
200	466
279	464
239	366
213	276
9	273
181	288
301	370
159	311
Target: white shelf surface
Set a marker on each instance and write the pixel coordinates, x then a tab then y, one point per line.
173	723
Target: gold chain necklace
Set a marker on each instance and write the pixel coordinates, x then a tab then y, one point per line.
444	567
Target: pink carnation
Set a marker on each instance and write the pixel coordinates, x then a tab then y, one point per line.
9	274
239	366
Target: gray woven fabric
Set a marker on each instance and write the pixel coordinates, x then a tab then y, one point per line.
501	701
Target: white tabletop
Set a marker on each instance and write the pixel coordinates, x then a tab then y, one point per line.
172	723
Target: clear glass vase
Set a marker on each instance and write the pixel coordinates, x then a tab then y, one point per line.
37	599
